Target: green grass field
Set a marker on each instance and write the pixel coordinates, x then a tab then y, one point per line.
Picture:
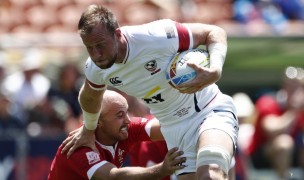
258	63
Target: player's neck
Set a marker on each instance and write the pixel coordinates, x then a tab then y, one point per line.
104	140
123	49
105	146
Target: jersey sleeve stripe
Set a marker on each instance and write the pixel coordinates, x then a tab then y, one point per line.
96	86
93	169
184	37
191	38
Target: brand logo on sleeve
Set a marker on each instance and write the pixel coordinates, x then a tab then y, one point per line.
115	81
92	157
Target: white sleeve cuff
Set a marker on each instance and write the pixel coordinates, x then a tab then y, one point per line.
93	169
148	127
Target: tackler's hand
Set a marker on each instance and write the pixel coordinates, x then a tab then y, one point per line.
77	138
173	161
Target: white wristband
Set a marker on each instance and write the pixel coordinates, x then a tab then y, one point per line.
90	119
217	53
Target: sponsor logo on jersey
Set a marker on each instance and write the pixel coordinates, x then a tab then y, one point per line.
154	99
115	81
151	97
92	157
152	67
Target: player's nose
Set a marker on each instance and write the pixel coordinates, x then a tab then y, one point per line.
97	53
127	119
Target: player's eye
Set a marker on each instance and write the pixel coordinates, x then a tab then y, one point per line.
99	45
120	114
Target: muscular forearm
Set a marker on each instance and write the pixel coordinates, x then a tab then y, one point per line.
217	52
90	102
216	35
172	162
215	39
217	47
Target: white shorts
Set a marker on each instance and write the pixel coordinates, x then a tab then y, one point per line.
219	114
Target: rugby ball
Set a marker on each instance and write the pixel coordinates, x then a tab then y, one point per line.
178	72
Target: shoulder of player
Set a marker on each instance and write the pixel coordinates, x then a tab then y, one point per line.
77	153
159	21
137	122
148	29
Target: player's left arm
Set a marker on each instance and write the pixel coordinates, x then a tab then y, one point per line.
215	39
155	133
172	162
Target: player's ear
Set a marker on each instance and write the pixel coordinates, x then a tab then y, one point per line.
118	32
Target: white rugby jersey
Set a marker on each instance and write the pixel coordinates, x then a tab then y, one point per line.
143	73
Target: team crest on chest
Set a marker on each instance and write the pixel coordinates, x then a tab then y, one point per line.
152	67
121	156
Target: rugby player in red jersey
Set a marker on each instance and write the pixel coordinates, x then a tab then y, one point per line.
115	134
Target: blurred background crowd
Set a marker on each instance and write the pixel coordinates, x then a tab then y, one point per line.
41	70
261	16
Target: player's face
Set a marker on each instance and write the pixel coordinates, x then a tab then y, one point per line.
116	122
101	46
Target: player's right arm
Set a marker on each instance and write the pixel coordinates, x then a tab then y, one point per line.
215	39
171	163
90	101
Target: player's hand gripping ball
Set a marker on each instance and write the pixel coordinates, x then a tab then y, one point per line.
178	72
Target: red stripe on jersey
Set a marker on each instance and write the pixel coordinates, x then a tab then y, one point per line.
183	36
96	85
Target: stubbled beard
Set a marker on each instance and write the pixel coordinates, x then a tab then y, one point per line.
111	62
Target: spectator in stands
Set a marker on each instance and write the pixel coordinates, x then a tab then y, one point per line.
9	123
280	121
27	87
2	71
292	9
66	87
63	98
246	114
60	112
115	134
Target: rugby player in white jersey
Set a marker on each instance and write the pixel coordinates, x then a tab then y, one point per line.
198	119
